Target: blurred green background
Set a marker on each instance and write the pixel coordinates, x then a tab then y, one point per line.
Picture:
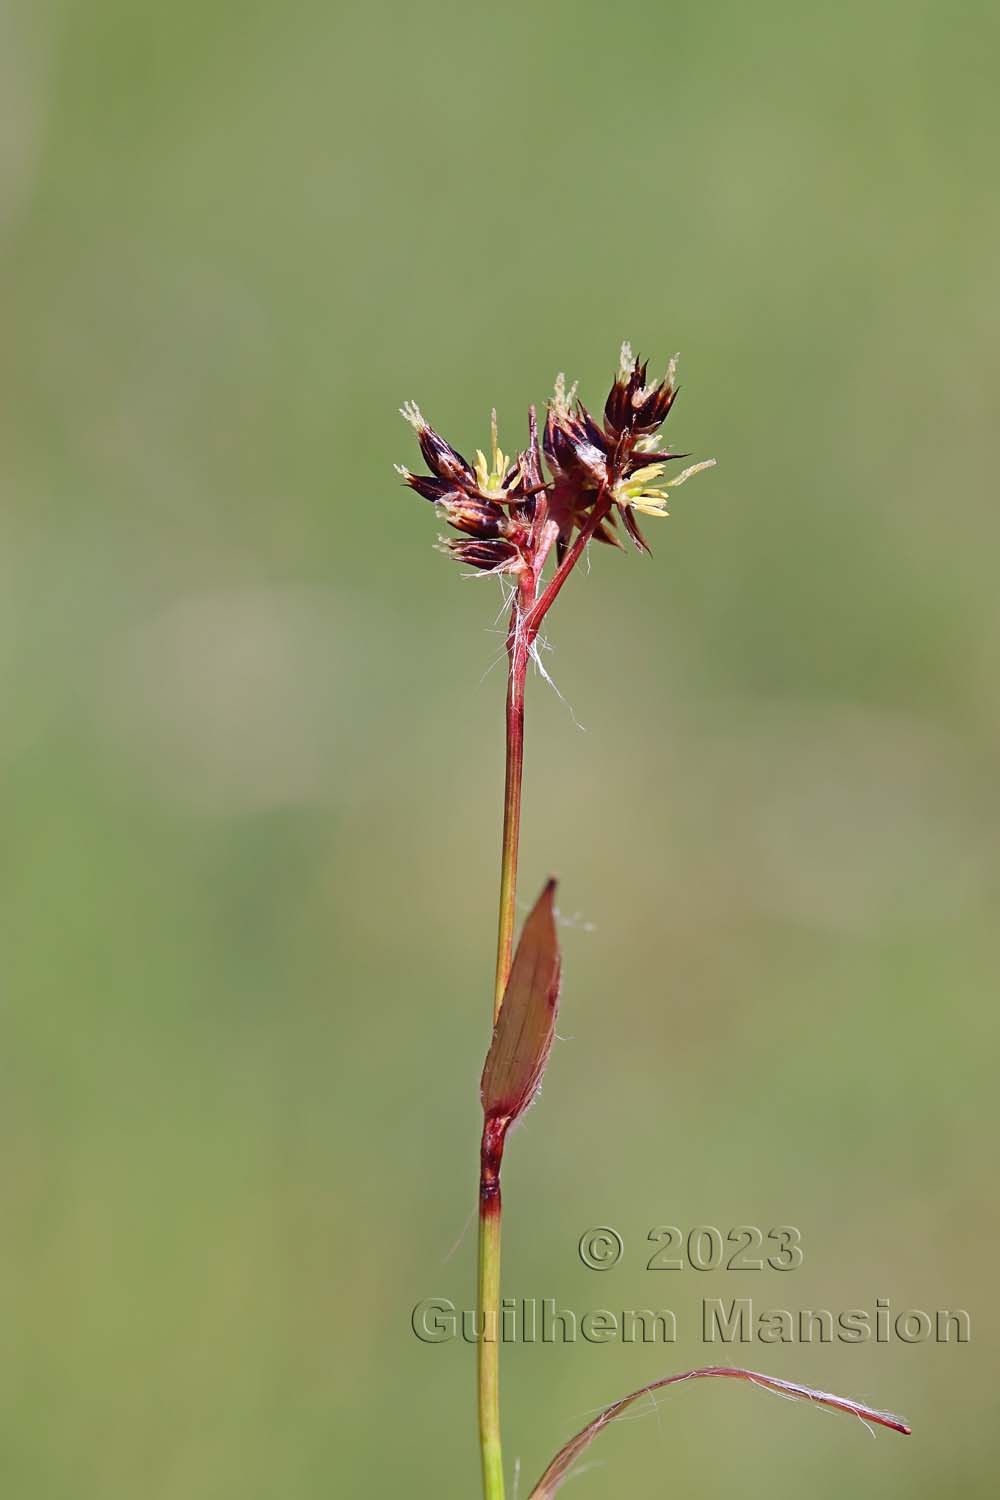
252	764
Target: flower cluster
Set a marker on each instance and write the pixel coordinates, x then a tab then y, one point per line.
615	463
599	471
488	501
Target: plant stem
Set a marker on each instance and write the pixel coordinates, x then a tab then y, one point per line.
527	614
518	650
488	1348
488	1286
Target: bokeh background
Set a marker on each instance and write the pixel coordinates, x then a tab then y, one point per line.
252	751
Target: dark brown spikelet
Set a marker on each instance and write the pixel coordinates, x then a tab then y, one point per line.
632	405
615	463
442	459
498	556
494	506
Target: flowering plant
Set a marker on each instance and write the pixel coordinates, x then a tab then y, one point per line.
510	521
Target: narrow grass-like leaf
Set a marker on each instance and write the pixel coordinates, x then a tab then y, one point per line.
558	1470
522	1036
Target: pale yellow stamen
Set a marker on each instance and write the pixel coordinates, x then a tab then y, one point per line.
490	472
636	492
641	477
653	504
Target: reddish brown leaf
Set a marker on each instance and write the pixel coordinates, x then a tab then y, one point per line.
559	1468
522	1037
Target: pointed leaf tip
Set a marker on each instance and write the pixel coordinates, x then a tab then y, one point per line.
559	1469
525	1027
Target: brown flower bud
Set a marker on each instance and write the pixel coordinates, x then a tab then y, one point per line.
496	556
492	502
440	457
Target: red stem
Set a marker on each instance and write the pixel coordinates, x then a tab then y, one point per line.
518	652
527	613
